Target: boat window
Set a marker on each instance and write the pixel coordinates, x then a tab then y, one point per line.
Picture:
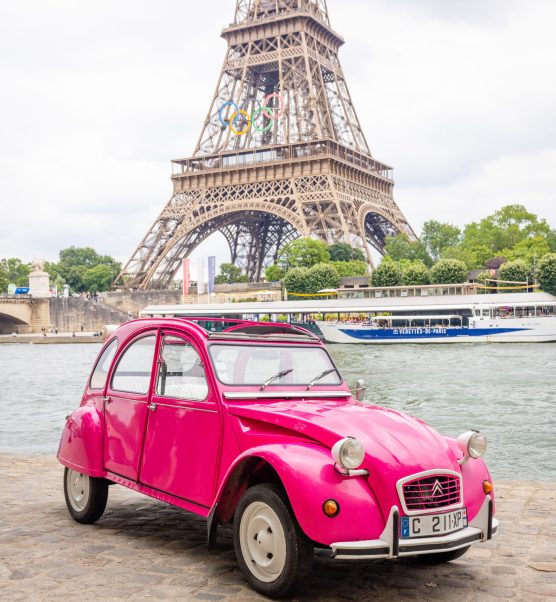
486	312
254	364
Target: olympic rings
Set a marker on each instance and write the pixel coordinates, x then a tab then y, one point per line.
271	113
234	117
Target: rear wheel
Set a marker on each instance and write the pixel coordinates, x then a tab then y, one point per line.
272	551
86	496
442	557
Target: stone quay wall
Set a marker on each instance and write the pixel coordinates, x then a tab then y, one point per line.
78	314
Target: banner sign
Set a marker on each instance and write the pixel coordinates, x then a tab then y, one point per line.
186	276
201	276
211	273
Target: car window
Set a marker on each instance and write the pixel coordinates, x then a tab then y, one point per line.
181	374
100	373
133	372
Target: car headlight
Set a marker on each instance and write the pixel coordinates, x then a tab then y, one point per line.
473	444
349	453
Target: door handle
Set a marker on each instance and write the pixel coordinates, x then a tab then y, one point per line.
107	399
151	407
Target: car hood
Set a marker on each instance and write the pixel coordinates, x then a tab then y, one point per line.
396	445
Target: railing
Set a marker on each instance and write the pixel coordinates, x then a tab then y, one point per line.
281	153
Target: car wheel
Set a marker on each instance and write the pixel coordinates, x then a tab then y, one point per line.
272	551
442	557
85	496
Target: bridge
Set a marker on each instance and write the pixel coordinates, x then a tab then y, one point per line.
23	314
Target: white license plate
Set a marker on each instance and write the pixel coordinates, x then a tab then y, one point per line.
428	525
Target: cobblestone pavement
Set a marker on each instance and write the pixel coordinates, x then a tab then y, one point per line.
143	549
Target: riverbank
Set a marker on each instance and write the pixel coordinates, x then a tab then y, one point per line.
142	548
62	338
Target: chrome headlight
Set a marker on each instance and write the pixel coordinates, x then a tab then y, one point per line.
349	453
473	444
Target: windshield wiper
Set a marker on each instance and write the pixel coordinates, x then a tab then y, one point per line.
321	375
280	374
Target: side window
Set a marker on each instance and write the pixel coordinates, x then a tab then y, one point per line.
181	374
133	372
100	373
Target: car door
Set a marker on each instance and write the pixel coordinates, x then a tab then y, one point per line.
182	440
126	401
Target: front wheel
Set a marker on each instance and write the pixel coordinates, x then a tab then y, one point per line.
272	551
85	496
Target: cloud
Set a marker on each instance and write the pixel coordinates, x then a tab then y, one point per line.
98	97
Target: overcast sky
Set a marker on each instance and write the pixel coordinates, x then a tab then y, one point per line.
98	96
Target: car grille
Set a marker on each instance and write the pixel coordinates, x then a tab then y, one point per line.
431	492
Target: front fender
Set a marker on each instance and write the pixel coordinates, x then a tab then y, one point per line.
81	444
309	478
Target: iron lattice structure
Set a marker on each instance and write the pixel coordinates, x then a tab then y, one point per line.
281	153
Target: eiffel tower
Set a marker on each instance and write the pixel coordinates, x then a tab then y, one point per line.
281	153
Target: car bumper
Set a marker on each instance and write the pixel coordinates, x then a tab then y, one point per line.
482	528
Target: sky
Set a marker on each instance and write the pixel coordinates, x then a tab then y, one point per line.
97	97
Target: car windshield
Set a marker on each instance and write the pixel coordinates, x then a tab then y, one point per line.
255	364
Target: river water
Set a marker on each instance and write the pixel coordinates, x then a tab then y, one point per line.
505	390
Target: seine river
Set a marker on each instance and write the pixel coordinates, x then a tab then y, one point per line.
505	390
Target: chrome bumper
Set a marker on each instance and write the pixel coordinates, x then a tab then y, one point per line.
390	545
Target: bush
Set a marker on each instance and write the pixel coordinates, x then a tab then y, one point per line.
388	273
296	280
350	268
448	271
415	273
274	273
546	271
514	271
484	279
322	276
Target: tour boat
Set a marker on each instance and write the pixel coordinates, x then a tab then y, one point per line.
480	323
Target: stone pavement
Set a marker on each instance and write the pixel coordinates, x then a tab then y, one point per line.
142	549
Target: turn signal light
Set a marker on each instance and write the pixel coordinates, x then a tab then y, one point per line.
331	508
487	487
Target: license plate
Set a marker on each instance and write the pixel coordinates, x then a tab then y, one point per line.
433	524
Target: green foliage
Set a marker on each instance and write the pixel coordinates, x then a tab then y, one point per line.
551	240
449	271
296	280
400	247
350	268
529	249
75	265
322	276
485	279
415	273
303	253
473	257
514	271
13	271
274	273
341	251
436	237
388	273
230	274
547	273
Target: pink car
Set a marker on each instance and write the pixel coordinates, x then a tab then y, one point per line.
254	427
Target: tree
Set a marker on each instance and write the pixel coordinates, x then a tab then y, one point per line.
303	253
230	274
449	271
341	251
274	273
388	273
296	280
322	276
436	237
531	250
400	247
13	271
352	269
551	240
473	257
98	279
547	273
495	262
415	273
514	271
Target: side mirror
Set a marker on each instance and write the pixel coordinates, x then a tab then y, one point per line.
360	389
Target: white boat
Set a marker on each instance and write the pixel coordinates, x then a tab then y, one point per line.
478	323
